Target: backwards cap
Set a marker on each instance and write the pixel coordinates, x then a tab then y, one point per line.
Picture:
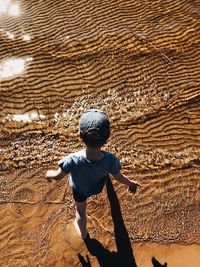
94	124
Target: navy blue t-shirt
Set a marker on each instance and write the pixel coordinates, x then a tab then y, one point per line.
88	177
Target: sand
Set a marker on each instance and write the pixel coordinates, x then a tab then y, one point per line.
139	61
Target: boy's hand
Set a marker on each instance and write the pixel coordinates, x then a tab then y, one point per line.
49	175
54	175
132	188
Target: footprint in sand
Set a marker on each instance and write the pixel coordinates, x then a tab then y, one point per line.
22	202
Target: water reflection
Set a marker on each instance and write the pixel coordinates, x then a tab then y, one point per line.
26	117
13	67
10	35
9	7
26	37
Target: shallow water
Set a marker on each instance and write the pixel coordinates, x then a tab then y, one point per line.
138	61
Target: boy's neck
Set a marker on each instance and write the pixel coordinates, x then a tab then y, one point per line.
94	153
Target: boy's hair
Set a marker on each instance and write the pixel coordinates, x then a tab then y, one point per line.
94	128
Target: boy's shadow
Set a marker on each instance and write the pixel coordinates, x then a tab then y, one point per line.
157	263
124	255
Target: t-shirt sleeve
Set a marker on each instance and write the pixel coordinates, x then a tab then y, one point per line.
65	164
115	165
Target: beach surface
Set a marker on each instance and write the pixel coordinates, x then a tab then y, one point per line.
139	61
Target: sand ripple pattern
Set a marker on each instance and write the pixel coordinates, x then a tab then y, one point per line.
137	60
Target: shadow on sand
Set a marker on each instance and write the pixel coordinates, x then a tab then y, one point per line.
124	255
157	263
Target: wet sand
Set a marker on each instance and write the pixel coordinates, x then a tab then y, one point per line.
140	62
37	227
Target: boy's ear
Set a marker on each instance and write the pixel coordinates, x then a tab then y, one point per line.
81	136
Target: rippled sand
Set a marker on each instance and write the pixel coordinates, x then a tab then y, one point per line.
140	62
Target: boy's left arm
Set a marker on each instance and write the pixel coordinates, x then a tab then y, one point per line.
124	180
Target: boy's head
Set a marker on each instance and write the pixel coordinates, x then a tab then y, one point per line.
94	128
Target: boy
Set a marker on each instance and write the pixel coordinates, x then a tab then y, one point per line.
90	167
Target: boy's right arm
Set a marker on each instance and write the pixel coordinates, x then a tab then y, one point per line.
54	174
